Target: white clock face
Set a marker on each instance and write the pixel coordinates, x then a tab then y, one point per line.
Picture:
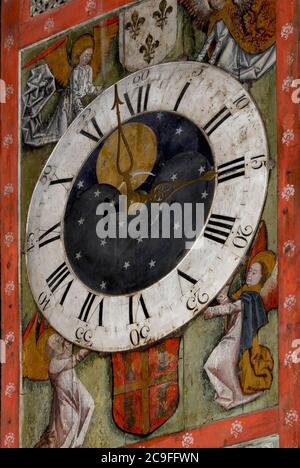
179	122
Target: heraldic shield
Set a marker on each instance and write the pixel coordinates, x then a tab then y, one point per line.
148	33
145	387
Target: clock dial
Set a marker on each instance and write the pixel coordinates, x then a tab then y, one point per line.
175	133
113	265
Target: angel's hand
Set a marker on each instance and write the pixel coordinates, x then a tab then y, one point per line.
222	310
209	313
83	353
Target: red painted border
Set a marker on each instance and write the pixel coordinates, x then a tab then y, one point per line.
289	221
36	28
20	30
10	323
220	434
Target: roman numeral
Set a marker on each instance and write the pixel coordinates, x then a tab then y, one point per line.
225	113
51	235
187	277
144	309
231	170
217	120
181	96
64	296
142	102
57	277
87	310
67	180
97	129
218	228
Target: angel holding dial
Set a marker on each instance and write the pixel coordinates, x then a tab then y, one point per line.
240	35
48	356
240	368
75	74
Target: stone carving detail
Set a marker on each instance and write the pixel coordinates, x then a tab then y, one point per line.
40	6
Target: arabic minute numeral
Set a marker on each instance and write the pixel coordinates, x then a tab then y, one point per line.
225	113
43	300
241	240
257	162
139	335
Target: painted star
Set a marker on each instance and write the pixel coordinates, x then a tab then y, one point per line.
174	177
201	170
103	243
97	194
160	116
179	131
78	256
176	226
139	240
126	265
81	221
80	184
204	195
152	264
103	285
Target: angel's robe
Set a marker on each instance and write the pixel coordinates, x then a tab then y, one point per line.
231	57
223	363
72	406
35	133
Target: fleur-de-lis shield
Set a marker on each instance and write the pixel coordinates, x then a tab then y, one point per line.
147	33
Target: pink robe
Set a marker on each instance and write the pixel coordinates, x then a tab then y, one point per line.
72	406
222	367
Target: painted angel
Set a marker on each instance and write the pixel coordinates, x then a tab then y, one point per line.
74	72
240	369
240	35
47	355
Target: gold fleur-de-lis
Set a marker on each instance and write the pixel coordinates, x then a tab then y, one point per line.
149	48
161	15
134	27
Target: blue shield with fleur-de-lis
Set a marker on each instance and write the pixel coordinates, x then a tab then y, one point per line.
147	33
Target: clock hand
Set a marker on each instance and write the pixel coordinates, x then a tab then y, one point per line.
165	189
125	174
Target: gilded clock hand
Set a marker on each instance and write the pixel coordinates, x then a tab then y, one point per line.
125	174
165	189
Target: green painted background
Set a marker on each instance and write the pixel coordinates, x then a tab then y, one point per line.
196	405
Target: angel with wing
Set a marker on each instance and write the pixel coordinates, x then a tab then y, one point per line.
240	35
240	369
74	72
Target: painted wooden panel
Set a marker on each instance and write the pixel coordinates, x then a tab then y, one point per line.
193	403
